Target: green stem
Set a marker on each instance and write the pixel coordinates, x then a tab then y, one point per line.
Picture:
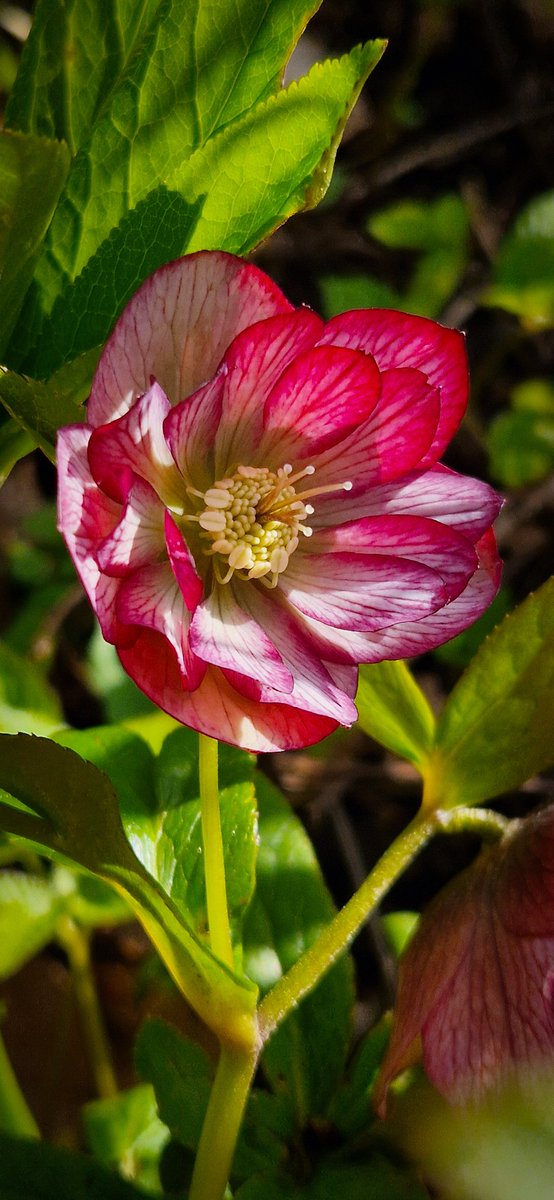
15	1115
222	1123
214	862
75	942
308	970
486	823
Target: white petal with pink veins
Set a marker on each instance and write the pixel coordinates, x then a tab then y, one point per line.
152	598
177	328
138	538
190	429
136	443
223	634
314	688
397	339
361	592
416	538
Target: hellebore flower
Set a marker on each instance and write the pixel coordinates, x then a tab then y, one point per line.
476	985
255	505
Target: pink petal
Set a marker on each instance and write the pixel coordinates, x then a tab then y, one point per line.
252	366
136	443
190	428
459	501
85	518
428	542
314	688
216	708
151	598
389	444
138	538
182	564
177	328
396	339
361	592
322	397
223	634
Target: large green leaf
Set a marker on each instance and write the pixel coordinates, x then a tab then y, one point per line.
38	408
290	907
37	1171
393	710
278	159
67	807
32	174
15	443
496	728
182	70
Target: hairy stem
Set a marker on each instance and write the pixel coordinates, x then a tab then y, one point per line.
222	1123
76	945
214	863
308	970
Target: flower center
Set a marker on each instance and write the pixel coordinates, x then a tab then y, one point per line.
252	520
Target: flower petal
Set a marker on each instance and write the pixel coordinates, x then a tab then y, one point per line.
138	537
151	598
323	396
190	428
177	328
314	688
361	592
182	564
459	501
390	443
407	639
225	635
437	546
397	339
85	518
252	366
135	444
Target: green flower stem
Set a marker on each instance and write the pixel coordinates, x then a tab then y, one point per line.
308	970
15	1115
75	942
222	1123
214	863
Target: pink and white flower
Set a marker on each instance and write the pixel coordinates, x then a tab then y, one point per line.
255	505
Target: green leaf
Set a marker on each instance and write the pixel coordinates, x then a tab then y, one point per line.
157	92
182	1078
89	900
25	696
29	912
125	1131
15	443
440	232
523	278
60	804
343	292
496	729
32	174
373	1177
350	1109
290	907
521	446
38	408
393	710
277	159
155	232
37	1171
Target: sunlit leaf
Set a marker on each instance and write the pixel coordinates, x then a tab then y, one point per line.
523	275
393	710
29	911
496	728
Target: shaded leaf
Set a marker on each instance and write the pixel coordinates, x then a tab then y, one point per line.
125	1131
32	174
523	276
38	408
29	912
37	1171
15	443
290	906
